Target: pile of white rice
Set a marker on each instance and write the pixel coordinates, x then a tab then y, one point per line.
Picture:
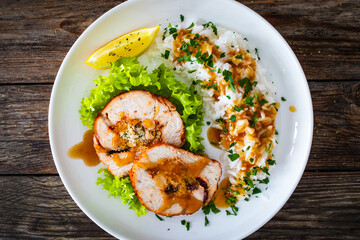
226	40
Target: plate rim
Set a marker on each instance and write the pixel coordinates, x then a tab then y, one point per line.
93	25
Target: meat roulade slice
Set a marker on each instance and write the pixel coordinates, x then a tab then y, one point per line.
172	181
129	123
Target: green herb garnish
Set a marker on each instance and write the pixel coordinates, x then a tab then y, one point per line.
271	161
191	25
238	109
233	156
206	221
160	218
182	18
186	224
210	207
166	55
256	191
248	101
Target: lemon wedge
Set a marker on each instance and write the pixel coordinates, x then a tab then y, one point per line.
131	44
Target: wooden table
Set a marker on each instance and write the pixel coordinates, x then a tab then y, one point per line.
36	35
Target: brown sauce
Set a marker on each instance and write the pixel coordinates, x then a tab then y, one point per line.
124	158
85	150
177	180
220	195
292	109
214	136
149	123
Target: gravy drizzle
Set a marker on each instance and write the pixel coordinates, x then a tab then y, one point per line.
222	194
85	150
177	180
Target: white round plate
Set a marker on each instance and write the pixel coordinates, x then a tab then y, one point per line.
75	79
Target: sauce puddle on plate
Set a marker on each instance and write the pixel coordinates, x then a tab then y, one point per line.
221	195
85	150
214	136
292	109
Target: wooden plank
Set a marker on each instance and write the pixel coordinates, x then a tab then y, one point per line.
24	147
320	33
34	38
324	206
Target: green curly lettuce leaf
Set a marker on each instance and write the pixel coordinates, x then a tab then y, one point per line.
127	74
120	187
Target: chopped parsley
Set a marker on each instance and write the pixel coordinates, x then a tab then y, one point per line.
256	191
228	97
233	118
227	75
219	120
182	18
247	148
234	211
255	119
164	34
264	181
246	84
210	207
249	182
172	30
263	101
276	132
249	101
208	123
212	26
233	156
268	150
283	99
191	71
271	162
166	55
184	47
240	56
238	109
222	55
251	160
206	221
257	53
191	25
186	224
232	86
160	218
232	144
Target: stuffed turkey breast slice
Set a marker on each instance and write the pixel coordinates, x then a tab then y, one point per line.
130	122
137	118
118	163
172	181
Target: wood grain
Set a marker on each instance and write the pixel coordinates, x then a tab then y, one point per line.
329	210
34	38
25	148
